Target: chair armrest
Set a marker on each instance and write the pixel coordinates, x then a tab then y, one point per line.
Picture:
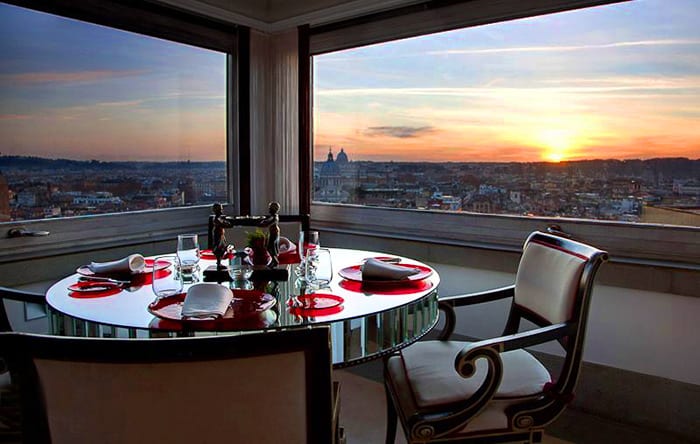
522	339
21	295
448	303
479	297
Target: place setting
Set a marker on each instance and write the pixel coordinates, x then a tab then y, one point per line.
209	305
385	275
98	279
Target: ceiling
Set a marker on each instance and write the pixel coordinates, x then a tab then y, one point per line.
280	15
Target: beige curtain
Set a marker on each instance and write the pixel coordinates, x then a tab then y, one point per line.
274	87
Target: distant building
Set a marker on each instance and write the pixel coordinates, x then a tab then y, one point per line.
342	158
686	188
330	181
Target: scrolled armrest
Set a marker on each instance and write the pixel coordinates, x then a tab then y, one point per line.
480	297
527	338
450	321
447	305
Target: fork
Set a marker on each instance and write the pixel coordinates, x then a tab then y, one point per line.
103	279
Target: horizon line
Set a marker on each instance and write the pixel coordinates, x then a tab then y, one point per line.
361	160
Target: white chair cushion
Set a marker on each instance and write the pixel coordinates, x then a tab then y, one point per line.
547	280
429	368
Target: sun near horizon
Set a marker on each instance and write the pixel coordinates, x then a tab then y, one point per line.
556	144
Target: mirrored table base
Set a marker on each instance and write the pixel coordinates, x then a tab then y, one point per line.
354	341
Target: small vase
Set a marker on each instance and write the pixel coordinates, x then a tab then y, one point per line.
260	257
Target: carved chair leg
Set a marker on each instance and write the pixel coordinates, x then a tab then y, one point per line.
391	418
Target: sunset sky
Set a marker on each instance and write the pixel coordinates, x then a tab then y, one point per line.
81	91
618	81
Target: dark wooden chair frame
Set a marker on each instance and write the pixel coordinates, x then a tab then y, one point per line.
16	295
528	418
21	349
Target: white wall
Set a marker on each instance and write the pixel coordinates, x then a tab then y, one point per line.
642	331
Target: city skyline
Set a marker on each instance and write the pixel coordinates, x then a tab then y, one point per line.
549	88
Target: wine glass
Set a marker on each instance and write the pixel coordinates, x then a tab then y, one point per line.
308	243
167	279
320	267
188	252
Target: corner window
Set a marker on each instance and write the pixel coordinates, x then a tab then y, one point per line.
587	114
97	120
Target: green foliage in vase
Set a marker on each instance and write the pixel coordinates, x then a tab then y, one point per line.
256	239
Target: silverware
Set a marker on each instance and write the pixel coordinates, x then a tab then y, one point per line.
94	289
103	279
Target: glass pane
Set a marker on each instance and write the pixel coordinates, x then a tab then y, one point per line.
591	114
98	120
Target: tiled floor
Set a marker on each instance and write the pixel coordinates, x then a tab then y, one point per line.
363	416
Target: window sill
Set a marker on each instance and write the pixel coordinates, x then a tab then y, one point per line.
90	233
649	245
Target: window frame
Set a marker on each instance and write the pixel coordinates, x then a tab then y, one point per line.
649	245
94	232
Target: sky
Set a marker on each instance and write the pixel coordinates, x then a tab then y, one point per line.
617	81
75	90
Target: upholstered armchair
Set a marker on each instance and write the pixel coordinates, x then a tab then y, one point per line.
493	390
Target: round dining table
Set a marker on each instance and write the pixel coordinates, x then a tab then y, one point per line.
368	319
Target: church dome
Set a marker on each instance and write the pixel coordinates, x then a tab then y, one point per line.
342	158
329	167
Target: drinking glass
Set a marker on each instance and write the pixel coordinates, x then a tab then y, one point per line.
308	242
320	267
188	252
167	279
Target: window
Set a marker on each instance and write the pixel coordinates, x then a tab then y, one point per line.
98	120
139	89
587	114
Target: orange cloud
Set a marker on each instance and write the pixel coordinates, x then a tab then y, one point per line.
15	116
31	78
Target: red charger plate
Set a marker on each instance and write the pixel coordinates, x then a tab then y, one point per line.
403	289
245	303
85	290
208	255
85	270
354	273
318	301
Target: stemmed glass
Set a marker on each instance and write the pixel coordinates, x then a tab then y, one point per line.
308	243
320	268
166	279
188	253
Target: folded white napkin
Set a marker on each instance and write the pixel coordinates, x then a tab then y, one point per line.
130	264
376	270
285	245
206	301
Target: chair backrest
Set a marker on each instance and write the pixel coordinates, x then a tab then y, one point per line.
553	286
258	388
15	295
554	278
